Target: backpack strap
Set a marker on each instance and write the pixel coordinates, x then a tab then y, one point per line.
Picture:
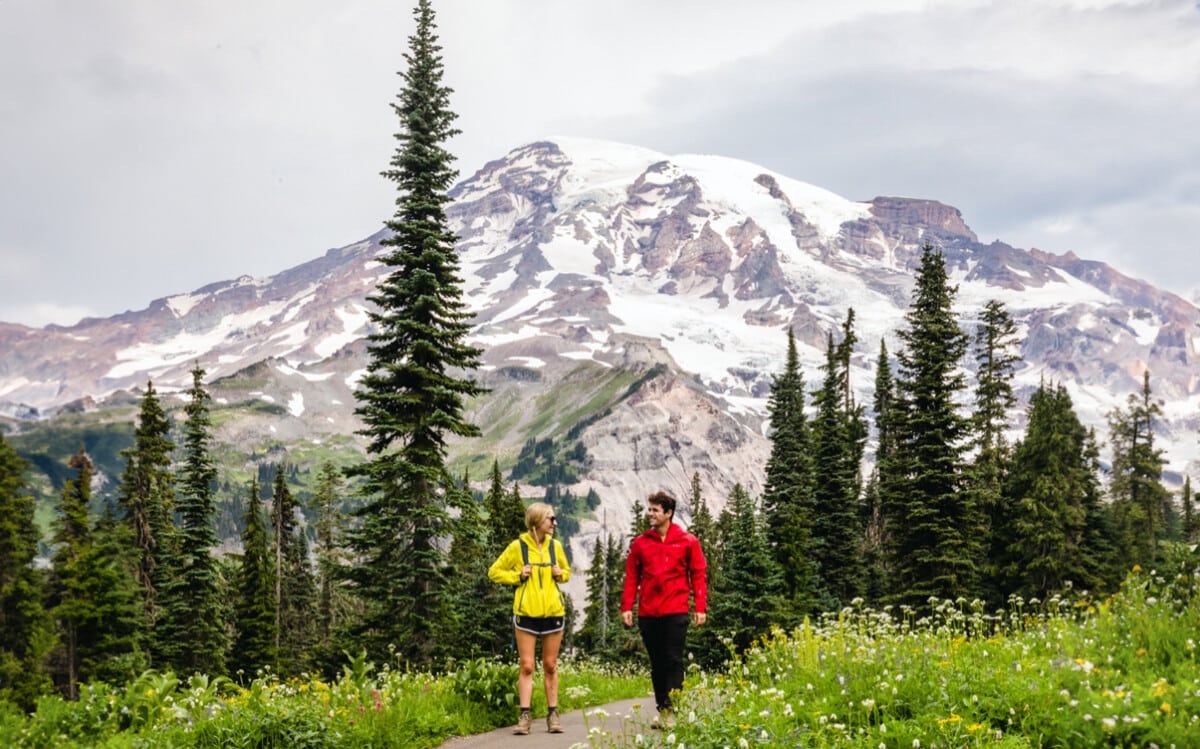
524	551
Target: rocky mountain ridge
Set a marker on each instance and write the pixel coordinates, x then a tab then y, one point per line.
638	300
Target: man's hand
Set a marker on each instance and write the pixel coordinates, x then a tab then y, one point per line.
699	618
627	618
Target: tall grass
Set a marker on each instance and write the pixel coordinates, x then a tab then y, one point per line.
1072	671
1068	672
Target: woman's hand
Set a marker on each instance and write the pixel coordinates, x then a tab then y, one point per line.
556	572
526	571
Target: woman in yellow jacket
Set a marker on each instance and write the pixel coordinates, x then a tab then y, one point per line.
536	564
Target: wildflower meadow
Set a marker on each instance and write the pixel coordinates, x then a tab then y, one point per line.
1071	671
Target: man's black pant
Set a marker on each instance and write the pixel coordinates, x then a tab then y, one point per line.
664	637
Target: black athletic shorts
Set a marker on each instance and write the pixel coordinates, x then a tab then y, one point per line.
538	625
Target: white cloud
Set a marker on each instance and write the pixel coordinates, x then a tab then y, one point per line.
150	148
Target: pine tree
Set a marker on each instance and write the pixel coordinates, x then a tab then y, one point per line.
332	602
411	399
1138	496
256	644
747	601
872	511
505	512
111	646
194	636
996	362
26	631
147	498
482	609
295	589
934	539
1189	511
1044	527
838	435
704	528
788	495
72	543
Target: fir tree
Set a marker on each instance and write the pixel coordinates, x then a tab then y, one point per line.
1045	526
747	601
996	362
1189	511
72	543
505	513
1138	496
788	495
295	588
256	645
704	528
871	512
483	609
412	396
329	525
26	630
147	498
933	535
111	649
193	636
839	436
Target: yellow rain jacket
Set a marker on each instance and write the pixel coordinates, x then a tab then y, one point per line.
539	595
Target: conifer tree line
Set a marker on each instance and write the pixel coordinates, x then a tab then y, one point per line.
946	506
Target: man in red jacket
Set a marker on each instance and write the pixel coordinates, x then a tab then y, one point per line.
665	567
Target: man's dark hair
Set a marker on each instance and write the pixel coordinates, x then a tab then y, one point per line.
663	500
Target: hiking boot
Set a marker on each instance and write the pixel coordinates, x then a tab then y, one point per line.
665	720
523	723
553	722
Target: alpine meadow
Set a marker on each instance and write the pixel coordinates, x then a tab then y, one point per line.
943	487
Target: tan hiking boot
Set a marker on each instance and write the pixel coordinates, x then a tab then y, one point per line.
553	722
665	720
523	723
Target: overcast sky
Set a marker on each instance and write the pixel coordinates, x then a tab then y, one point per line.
149	147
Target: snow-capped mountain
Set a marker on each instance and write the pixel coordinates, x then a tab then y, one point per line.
638	301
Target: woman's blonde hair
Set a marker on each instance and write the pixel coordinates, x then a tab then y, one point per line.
536	513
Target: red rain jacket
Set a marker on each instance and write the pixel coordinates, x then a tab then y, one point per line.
660	573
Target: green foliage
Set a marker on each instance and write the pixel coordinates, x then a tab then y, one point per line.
789	501
411	398
1140	502
26	634
933	532
192	633
1078	673
254	647
488	683
839	434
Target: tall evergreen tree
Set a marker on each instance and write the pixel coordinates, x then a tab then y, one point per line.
505	512
704	528
26	630
871	511
933	543
788	495
997	360
330	524
412	396
748	600
482	609
71	604
1139	499
295	588
1187	503
1046	495
256	644
193	636
839	435
147	498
